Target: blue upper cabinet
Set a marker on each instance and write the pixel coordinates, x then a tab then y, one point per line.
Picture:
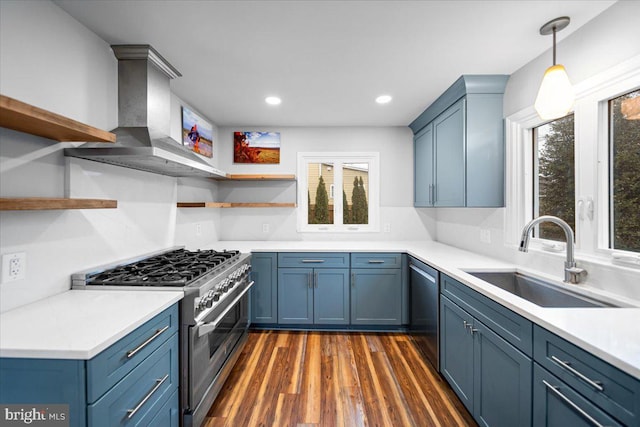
423	172
459	145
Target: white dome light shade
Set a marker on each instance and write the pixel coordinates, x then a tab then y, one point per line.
383	99
273	100
555	96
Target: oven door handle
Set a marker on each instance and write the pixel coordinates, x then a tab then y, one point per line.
206	328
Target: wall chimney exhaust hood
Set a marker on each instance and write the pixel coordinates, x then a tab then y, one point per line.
144	117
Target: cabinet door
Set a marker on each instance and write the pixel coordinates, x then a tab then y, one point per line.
295	295
423	167
376	296
331	296
502	381
41	382
555	404
456	350
449	141
264	294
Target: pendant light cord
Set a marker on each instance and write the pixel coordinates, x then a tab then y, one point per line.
554	45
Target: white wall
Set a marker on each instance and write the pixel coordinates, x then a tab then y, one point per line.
609	39
395	145
50	60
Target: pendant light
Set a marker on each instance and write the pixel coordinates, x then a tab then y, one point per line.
555	96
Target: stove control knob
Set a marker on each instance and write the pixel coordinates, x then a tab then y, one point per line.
209	302
216	296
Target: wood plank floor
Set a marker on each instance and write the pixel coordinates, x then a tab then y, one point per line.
334	379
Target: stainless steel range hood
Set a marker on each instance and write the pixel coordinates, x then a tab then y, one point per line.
144	117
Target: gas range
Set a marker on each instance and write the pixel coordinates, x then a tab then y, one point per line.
207	277
214	312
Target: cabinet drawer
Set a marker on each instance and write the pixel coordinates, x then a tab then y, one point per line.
313	259
110	366
557	405
512	327
376	260
144	390
611	389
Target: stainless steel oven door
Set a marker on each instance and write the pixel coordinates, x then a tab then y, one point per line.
211	342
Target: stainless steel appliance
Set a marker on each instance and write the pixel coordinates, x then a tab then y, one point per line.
425	301
214	317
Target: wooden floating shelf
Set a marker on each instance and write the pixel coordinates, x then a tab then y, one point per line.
47	203
261	177
234	205
23	117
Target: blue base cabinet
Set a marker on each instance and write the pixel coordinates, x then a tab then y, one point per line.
491	377
574	387
264	293
555	404
377	289
131	383
313	288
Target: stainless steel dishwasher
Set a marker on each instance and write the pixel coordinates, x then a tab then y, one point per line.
425	301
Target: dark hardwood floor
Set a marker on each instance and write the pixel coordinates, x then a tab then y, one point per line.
334	379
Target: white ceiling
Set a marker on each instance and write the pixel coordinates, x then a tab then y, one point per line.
328	60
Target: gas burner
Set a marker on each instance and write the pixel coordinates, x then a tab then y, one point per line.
177	268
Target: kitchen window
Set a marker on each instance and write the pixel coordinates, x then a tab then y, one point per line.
602	202
338	192
554	176
624	172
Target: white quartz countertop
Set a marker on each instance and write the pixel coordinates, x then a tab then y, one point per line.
609	333
78	324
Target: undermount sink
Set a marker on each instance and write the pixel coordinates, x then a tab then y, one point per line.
537	291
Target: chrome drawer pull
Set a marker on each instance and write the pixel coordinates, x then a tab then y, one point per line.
572	405
376	261
313	261
566	365
133	352
159	381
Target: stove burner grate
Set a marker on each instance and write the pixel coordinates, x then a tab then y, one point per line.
176	268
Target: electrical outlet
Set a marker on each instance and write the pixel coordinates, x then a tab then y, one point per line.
265	227
198	229
14	267
387	227
485	235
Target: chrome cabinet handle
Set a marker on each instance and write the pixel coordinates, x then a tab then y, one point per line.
310	281
376	261
430	194
158	332
353	280
316	279
572	405
159	381
567	365
313	261
469	326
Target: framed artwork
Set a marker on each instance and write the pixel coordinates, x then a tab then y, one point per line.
256	147
197	133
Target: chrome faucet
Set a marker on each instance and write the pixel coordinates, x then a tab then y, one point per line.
572	274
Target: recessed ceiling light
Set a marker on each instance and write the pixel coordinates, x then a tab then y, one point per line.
273	100
383	99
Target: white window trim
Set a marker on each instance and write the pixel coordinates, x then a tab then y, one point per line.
338	158
591	162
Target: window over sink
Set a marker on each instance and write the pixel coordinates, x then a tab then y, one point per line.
600	144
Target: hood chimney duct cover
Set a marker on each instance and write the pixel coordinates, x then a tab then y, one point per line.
144	120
